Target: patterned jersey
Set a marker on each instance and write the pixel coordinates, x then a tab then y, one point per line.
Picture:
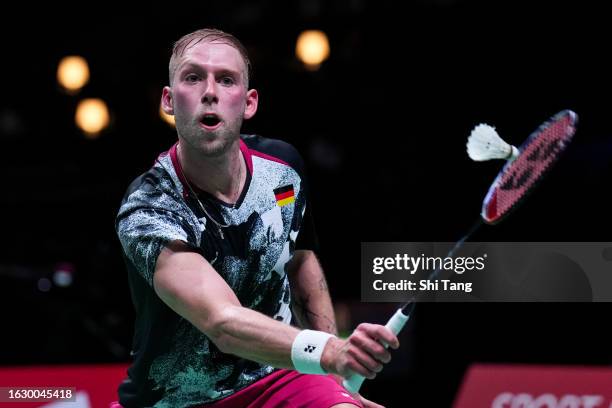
175	364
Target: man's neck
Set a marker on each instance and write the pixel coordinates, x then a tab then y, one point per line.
222	176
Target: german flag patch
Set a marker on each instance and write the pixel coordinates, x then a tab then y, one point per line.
284	195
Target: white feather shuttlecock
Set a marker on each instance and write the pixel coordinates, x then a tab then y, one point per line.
485	144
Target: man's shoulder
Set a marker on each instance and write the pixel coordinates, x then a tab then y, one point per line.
274	149
155	188
148	181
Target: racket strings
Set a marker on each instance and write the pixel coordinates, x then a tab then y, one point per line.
538	153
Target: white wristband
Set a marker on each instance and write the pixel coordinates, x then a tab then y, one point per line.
307	349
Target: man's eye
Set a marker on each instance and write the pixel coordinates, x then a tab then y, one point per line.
191	78
227	81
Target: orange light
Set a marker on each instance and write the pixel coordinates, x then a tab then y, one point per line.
92	116
169	119
73	73
312	48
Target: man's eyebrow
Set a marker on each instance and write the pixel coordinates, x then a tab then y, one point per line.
187	65
226	71
192	65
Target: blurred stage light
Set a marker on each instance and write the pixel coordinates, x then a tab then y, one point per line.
63	274
169	119
92	116
312	48
72	73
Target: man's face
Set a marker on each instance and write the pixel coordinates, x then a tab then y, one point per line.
209	97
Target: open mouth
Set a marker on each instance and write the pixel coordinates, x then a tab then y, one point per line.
210	120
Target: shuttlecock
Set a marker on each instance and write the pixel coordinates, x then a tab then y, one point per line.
485	144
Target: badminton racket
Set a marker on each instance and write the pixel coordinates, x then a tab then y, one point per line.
525	168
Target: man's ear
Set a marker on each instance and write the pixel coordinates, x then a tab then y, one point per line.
166	101
252	99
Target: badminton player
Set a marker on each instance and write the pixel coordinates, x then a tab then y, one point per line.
219	246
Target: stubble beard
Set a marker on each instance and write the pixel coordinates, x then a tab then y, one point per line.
210	144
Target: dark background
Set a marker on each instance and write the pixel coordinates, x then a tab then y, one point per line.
382	126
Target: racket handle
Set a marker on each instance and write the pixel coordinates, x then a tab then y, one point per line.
395	324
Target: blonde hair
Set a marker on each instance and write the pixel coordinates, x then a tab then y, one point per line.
207	35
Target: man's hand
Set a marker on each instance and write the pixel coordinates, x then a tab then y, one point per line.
362	353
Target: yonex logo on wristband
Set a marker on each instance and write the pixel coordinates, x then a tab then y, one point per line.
306	351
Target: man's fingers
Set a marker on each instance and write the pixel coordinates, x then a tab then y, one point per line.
363	363
364	351
379	333
372	347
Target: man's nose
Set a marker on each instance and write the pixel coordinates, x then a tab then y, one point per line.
210	92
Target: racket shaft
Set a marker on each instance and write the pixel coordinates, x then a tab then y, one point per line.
395	324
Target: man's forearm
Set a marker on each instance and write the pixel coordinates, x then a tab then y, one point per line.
254	336
190	286
312	304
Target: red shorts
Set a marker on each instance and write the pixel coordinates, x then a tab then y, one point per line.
288	389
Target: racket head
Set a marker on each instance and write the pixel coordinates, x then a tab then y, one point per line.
536	157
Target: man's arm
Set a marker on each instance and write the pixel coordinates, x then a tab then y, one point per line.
191	287
310	298
314	310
